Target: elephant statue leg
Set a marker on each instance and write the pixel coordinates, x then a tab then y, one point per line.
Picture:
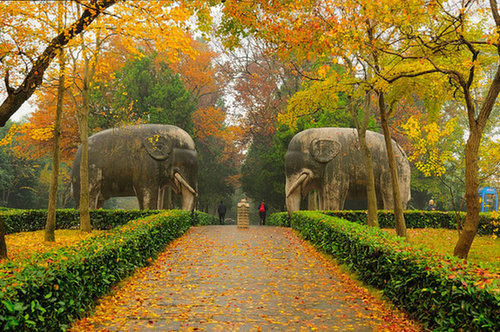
100	203
147	198
334	192
94	193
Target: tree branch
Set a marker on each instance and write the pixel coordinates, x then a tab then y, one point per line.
16	97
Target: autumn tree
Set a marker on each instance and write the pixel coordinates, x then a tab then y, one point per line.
20	47
458	40
218	141
259	85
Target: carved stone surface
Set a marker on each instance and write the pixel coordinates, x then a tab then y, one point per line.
330	161
159	147
243	220
324	150
139	161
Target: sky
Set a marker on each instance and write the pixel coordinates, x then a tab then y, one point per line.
24	110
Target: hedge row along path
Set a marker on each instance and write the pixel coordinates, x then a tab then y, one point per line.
221	278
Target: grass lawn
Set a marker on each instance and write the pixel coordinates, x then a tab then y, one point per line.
485	249
23	245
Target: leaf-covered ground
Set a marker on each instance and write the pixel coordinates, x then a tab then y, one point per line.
484	250
222	278
24	245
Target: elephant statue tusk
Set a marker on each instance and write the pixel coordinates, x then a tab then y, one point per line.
302	178
183	182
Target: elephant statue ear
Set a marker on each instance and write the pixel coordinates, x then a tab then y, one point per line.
323	150
158	147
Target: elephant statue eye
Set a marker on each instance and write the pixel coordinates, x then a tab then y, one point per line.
324	150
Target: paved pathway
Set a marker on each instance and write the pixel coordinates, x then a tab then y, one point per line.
222	278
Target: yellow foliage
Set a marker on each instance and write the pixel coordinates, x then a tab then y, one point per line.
489	161
320	95
428	153
25	244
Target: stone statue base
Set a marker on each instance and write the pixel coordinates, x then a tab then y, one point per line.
243	220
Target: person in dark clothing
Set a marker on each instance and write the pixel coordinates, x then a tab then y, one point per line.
222	212
262	212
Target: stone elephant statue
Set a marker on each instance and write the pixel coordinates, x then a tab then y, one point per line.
330	161
139	161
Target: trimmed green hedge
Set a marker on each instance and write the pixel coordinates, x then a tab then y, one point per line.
488	223
278	219
442	292
17	221
202	219
47	292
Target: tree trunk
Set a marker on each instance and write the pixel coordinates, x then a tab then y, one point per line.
50	226
398	207
83	122
3	245
476	127
471	196
371	195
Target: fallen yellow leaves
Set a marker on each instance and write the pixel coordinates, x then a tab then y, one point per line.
26	244
485	250
222	278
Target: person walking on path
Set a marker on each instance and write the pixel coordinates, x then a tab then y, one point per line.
221	209
262	212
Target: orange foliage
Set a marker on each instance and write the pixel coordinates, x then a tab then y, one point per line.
198	74
209	125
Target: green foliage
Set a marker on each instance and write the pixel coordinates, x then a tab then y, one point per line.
18	178
212	177
145	89
278	219
202	219
442	292
263	175
47	292
488	222
33	220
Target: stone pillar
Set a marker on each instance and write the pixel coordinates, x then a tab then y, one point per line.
243	214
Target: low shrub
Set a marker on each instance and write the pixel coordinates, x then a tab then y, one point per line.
489	223
47	292
202	219
17	221
278	219
442	292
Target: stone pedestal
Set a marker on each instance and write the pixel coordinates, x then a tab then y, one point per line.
243	220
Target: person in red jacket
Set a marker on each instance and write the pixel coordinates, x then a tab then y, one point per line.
262	212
